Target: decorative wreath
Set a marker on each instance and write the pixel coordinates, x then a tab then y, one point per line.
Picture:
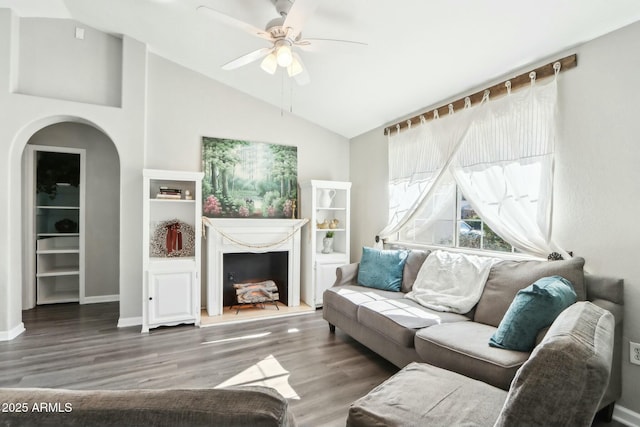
172	238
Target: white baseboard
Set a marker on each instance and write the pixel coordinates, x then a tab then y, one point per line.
9	335
626	416
125	322
101	298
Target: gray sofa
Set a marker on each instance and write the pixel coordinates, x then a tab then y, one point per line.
402	331
232	407
561	384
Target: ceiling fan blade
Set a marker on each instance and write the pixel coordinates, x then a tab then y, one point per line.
300	11
233	22
302	78
334	45
248	58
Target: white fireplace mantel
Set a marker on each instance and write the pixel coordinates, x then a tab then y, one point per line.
231	235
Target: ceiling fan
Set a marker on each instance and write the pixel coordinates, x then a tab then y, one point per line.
285	35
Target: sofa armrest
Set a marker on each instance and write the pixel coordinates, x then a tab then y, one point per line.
616	309
259	406
347	274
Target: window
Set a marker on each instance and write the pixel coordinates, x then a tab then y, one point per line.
500	154
473	232
457	225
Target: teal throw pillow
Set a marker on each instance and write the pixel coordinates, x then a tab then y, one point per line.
382	269
534	307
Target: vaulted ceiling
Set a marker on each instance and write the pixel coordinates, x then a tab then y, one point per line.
419	51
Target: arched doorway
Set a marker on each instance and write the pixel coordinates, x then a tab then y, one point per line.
101	213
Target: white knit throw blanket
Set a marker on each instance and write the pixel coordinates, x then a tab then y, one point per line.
449	281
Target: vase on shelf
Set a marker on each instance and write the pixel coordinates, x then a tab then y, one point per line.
327	243
326	196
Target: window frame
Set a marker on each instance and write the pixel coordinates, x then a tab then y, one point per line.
455	217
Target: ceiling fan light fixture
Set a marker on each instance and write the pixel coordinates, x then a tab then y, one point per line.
284	54
294	68
270	63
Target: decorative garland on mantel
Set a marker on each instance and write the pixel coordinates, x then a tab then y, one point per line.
206	221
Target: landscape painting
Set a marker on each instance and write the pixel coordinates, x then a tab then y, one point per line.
244	179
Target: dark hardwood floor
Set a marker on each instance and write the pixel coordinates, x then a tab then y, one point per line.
80	347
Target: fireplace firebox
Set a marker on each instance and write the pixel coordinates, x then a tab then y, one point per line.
254	267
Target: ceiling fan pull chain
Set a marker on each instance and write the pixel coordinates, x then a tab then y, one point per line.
291	98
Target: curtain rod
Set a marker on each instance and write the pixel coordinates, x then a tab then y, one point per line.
521	80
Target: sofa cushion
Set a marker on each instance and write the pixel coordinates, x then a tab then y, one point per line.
423	395
382	269
463	348
415	259
508	277
534	308
398	319
603	287
567	374
347	298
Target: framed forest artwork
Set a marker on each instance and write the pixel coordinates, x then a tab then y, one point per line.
244	179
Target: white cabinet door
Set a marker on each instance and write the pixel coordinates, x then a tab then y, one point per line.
325	278
171	297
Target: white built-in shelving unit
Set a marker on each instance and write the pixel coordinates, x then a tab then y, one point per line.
171	285
57	224
327	205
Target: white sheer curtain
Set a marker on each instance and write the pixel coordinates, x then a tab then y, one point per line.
501	156
505	166
419	160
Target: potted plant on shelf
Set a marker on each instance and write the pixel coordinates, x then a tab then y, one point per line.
327	243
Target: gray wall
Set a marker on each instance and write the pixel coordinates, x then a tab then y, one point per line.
184	106
597	177
164	111
22	116
102	201
53	63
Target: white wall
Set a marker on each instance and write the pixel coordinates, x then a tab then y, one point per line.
597	174
184	106
102	200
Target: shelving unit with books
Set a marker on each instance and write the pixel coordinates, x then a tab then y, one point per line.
171	247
